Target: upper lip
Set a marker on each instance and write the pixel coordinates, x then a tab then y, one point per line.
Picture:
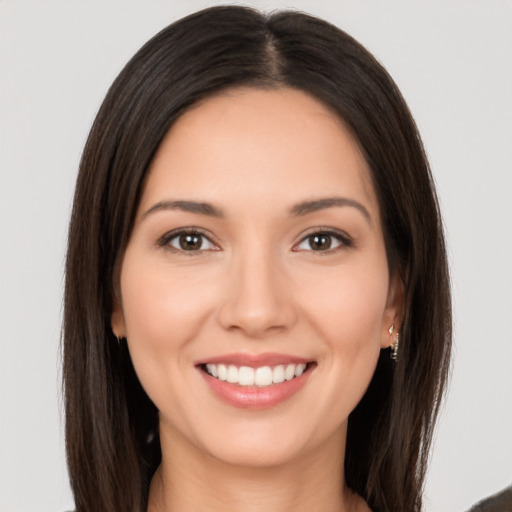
254	360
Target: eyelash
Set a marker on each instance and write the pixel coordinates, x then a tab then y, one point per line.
192	231
343	239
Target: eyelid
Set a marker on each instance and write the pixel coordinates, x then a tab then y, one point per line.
164	240
343	237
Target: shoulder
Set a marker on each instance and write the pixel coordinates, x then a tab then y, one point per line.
501	502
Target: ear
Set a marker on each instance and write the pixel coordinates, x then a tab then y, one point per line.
117	320
394	312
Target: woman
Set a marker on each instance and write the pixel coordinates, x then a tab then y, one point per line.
257	308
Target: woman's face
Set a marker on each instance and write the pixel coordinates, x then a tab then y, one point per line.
255	292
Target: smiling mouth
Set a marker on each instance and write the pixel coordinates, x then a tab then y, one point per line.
262	376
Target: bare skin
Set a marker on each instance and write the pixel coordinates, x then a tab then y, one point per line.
299	488
312	483
258	232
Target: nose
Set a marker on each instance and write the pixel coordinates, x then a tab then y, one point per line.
258	299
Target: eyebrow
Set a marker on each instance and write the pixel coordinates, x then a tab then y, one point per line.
300	209
316	205
186	206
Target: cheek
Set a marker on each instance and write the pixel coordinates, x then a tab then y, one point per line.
162	305
163	312
349	307
348	311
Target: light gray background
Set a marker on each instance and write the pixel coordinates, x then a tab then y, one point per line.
453	62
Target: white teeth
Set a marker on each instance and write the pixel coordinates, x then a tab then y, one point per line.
222	372
278	374
212	369
246	376
299	370
289	373
232	375
262	376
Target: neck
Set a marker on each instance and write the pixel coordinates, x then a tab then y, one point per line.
190	480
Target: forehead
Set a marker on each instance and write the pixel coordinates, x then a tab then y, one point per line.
269	144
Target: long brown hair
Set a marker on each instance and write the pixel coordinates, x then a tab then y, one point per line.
111	425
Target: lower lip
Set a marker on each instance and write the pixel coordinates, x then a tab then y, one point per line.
253	397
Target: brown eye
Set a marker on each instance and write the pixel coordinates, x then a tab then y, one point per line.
320	242
323	242
189	242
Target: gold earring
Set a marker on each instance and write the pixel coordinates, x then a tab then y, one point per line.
117	337
394	348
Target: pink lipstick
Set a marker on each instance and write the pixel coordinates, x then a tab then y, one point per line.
255	381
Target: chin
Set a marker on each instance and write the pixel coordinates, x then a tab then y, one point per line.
256	455
266	443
